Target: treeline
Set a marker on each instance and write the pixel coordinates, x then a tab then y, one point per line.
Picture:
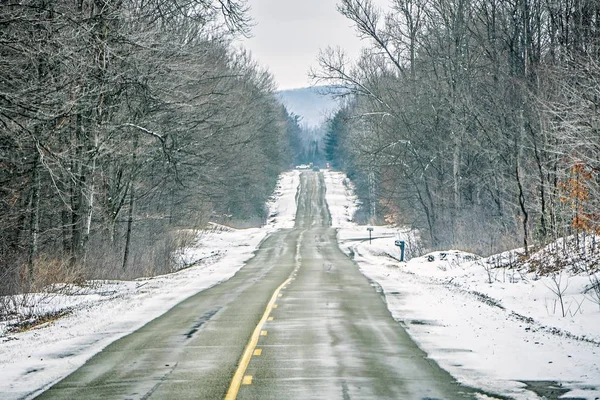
475	121
122	123
307	142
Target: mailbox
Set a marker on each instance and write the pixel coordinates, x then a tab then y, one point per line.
402	245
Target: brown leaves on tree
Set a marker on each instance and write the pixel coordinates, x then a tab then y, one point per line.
576	192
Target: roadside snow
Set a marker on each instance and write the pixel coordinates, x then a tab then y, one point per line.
340	198
492	336
282	207
101	312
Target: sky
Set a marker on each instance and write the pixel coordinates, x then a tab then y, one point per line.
289	33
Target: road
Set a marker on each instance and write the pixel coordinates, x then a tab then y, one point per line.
299	321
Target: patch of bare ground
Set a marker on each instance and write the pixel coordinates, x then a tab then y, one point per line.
35	321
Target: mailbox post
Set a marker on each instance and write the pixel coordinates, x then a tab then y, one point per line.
370	230
401	244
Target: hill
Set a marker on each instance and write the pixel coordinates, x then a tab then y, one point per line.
310	103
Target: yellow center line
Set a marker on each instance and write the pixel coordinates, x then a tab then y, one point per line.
238	377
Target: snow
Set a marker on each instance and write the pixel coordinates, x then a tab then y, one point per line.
491	336
282	208
340	198
101	312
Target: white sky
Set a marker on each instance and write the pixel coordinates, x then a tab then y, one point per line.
289	33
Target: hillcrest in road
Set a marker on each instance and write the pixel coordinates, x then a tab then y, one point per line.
299	321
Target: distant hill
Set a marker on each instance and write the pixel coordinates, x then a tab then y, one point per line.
309	103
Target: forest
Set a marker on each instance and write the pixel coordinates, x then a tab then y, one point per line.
123	125
476	122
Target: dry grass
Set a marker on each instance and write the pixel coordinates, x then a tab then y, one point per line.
575	254
182	238
51	273
35	321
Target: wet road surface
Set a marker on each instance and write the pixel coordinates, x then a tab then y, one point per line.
326	334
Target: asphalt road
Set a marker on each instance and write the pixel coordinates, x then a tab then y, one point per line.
310	324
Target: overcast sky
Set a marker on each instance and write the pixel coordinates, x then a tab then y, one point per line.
289	33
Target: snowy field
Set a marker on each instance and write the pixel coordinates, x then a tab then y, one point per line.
494	336
102	312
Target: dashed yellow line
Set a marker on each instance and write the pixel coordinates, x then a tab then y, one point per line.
239	378
257	352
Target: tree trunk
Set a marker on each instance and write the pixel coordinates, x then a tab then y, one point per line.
129	225
34	216
131	206
456	171
77	193
90	202
540	167
66	233
522	205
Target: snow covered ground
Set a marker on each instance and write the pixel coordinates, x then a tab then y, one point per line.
494	336
102	312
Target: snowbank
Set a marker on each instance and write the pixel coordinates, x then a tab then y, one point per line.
493	336
282	207
101	312
340	198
